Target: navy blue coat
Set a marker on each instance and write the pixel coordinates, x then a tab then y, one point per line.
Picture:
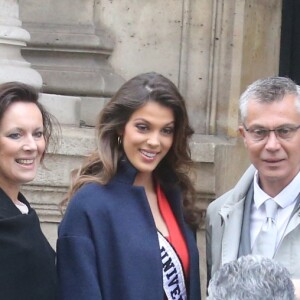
108	247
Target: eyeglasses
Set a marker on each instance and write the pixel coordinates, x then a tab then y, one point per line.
284	132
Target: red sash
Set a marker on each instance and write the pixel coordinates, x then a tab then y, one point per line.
175	237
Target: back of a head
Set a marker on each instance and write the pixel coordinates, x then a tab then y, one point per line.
251	278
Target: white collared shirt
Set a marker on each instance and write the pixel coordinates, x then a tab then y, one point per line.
286	201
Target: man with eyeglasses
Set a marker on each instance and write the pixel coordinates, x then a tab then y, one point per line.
261	214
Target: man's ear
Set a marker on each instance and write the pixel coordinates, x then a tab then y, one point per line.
242	133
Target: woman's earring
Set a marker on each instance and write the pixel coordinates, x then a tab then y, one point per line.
119	140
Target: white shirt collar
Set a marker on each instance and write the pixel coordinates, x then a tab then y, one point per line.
286	197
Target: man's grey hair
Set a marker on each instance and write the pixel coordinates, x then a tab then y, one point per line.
268	90
251	278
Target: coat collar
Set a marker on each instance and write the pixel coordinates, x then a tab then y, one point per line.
232	222
5	202
126	173
231	214
239	192
7	207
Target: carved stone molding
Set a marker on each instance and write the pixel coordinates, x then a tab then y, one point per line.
67	49
13	67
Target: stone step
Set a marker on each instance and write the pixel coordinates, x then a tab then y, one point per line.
66	109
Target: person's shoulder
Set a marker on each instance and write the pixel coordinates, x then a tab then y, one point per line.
236	193
94	195
80	209
88	189
219	202
86	196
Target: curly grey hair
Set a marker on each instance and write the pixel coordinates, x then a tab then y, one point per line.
251	278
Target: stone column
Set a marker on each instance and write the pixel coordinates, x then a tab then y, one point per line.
71	52
13	67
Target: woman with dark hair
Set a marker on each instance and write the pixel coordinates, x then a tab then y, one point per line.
27	261
129	228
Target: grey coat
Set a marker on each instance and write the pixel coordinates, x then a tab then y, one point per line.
224	226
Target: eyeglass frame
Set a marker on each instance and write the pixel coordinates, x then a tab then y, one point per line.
293	130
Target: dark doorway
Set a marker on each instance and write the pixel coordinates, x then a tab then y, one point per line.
290	40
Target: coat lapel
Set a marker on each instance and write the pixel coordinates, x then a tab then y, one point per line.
233	218
7	208
295	219
245	243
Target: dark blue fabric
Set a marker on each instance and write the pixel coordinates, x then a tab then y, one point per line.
108	247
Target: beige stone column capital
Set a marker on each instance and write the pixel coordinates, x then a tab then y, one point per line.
13	67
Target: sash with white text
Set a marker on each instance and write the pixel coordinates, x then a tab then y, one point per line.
173	277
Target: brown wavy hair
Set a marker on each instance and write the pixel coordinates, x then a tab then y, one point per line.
101	165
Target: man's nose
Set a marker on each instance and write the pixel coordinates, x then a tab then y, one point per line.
272	141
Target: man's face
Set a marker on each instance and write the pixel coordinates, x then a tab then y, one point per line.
276	159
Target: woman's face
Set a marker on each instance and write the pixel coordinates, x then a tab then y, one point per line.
148	136
22	144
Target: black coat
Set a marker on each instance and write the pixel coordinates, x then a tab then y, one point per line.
27	261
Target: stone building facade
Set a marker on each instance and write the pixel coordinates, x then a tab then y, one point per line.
80	51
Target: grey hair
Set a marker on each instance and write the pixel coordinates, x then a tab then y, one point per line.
268	90
251	278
